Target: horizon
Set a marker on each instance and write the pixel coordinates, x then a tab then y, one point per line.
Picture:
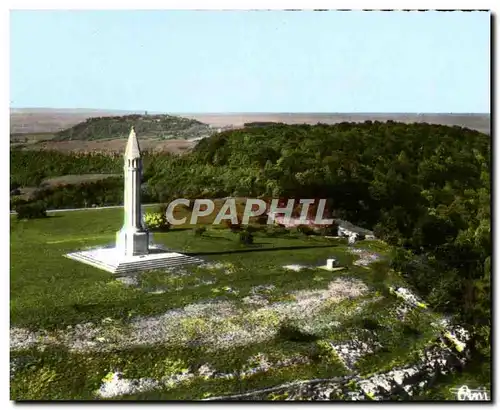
185	61
244	112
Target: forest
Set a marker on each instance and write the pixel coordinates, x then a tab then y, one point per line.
424	189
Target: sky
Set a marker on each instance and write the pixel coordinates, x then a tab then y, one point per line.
251	61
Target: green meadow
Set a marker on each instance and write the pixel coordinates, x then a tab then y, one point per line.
75	326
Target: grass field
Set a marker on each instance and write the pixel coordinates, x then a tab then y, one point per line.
239	322
76	179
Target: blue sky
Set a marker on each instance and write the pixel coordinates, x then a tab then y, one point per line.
251	61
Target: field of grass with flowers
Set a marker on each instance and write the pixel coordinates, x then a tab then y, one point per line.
243	320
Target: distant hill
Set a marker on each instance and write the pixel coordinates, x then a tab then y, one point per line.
477	121
148	126
51	120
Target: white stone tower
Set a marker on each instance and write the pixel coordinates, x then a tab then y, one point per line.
133	253
133	238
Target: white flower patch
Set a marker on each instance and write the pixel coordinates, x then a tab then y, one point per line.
351	351
261	364
177	272
407	296
85	336
260	361
402	311
458	336
23	338
161	290
15	364
115	385
128	280
237	337
214	324
365	257
81	337
206	371
206	282
442	323
258	295
256	300
460	333
206	321
210	265
292	361
157	291
266	289
226	266
308	301
295	267
178	378
225	289
223	328
210	308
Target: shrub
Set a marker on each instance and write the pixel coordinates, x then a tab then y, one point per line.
411	331
252	228
14	185
324	352
246	238
292	332
233	227
161	209
380	272
329	230
305	230
262	219
277	230
31	210
15	201
156	221
370	324
199	231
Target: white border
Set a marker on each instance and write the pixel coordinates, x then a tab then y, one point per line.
254	4
186	4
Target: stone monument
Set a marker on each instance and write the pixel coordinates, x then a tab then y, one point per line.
133	238
133	251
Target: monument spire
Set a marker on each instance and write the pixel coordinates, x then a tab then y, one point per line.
133	150
132	239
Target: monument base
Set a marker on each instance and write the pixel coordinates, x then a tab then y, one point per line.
113	260
131	242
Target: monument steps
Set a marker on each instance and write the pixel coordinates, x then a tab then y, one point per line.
82	257
160	264
139	264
